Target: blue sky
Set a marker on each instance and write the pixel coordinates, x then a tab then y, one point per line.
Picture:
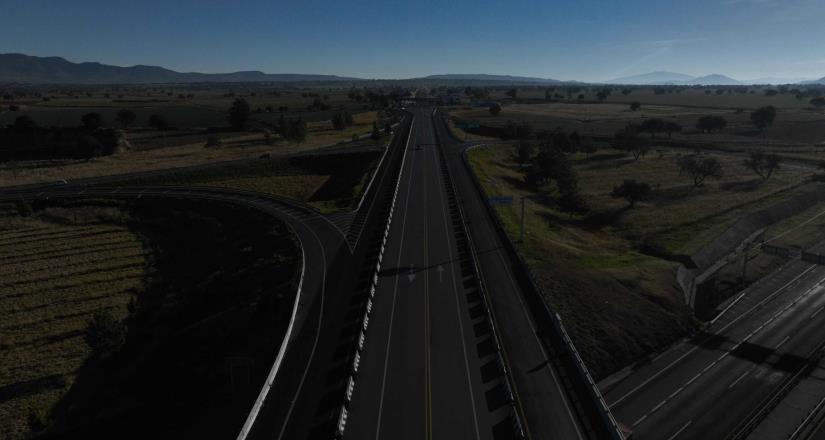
584	39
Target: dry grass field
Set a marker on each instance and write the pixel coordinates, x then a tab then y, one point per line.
798	131
193	113
235	146
56	272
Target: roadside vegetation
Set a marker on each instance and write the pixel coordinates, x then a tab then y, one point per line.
52	134
116	313
607	229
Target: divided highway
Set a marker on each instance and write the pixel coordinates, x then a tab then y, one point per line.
429	367
427	370
713	385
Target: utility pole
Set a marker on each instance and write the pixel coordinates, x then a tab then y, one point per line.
521	235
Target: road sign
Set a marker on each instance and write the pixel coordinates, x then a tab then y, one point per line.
500	201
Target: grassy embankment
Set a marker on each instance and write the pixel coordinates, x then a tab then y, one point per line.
198	295
610	273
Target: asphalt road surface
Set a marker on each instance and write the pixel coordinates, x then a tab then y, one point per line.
705	387
428	369
548	408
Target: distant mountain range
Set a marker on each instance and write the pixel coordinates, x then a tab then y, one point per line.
55	70
485	77
19	68
672	78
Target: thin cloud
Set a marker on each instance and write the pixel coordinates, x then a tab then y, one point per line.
814	62
668	43
739	2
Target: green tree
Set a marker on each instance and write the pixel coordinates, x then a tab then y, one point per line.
653	126
763	164
495	109
92	121
239	114
158	122
338	121
700	169
763	117
710	123
635	106
297	131
632	191
125	117
629	141
672	127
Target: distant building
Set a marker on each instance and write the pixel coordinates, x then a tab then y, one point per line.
449	99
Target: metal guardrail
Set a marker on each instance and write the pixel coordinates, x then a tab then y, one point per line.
341	423
746	426
273	372
613	428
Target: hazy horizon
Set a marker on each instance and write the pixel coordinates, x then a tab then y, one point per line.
583	41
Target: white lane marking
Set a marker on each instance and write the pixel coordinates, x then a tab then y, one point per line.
680	430
395	288
317	331
441	190
694	349
813	315
731	350
781	343
738	379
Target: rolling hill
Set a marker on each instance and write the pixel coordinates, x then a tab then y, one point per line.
19	68
485	77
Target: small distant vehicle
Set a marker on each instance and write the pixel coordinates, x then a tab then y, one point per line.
264	156
418	146
63	182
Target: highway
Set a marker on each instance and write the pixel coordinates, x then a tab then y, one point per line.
550	396
428	367
710	385
425	371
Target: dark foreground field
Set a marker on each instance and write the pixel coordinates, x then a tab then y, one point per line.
138	320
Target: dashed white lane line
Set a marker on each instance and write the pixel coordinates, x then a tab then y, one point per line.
782	342
813	315
682	429
727	353
738	379
719	331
